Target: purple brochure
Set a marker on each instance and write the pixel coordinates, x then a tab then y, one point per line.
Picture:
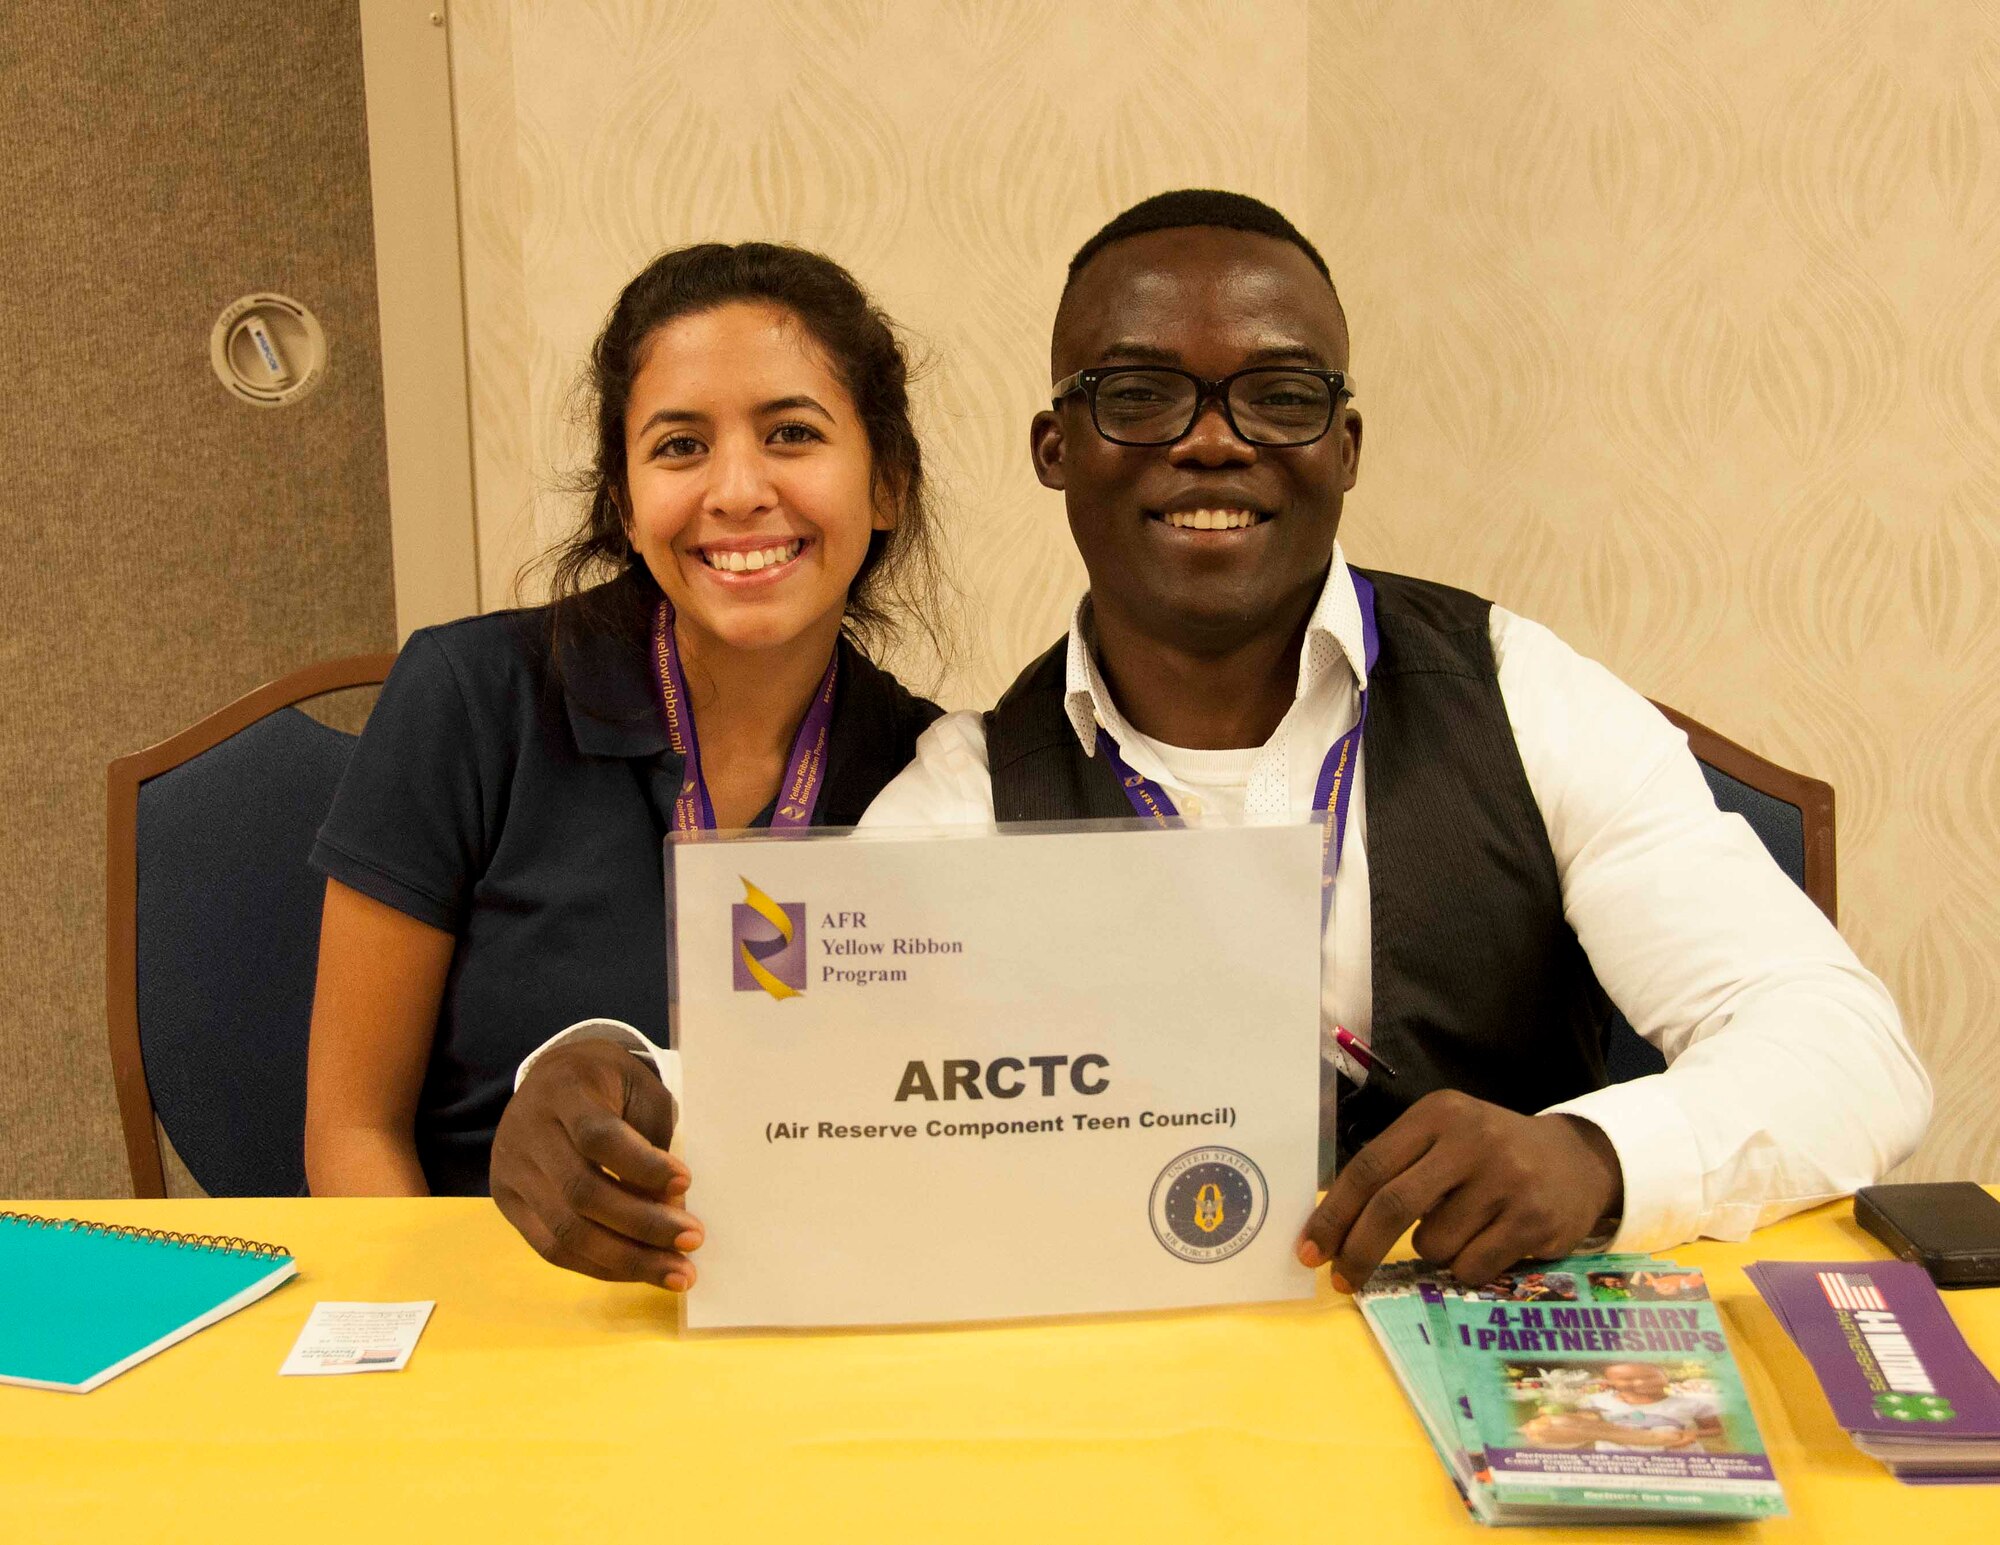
1884	1348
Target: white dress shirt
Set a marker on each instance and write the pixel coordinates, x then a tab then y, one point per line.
1790	1080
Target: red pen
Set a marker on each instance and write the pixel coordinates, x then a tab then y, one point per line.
1351	1043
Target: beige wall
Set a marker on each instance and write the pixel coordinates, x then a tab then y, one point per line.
1678	327
951	154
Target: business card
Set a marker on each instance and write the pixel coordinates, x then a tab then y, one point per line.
358	1338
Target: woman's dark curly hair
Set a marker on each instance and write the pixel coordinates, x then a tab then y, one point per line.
900	578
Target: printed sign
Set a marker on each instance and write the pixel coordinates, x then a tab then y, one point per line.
909	1059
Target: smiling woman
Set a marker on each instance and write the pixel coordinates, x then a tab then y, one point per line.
756	516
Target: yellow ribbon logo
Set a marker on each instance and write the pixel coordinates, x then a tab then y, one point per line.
776	916
1208	1208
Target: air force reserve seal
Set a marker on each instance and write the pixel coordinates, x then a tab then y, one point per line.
1208	1204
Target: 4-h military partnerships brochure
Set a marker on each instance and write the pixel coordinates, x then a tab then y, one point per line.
1588	1390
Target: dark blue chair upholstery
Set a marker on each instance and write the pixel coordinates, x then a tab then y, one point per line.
214	934
228	946
1781	827
1792	816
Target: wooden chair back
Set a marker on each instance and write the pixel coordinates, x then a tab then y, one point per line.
1812	798
121	955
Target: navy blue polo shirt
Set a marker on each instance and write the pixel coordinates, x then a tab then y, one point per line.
522	810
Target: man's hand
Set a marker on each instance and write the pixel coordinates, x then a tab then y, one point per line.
1485	1186
581	1168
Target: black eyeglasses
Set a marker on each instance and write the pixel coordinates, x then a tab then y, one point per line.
1157	404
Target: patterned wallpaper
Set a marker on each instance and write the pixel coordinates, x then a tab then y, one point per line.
1677	325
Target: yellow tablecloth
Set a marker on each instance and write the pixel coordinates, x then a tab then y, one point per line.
544	1406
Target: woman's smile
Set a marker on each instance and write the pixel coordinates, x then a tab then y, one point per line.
743	561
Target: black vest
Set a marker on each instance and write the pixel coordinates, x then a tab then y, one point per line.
1480	985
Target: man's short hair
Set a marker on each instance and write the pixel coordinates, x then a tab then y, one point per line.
1197	206
1185	207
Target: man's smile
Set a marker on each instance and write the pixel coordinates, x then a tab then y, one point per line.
1211	520
1213	509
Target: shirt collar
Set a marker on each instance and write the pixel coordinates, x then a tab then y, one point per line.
608	688
1333	636
610	692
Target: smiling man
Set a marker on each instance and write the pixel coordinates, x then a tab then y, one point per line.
1520	840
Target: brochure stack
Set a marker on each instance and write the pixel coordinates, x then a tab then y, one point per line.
1897	1372
1594	1389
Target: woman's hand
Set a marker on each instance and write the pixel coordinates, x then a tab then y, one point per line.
581	1168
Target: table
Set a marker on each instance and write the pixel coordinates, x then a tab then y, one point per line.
545	1406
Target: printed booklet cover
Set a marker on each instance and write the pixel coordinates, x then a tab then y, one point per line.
1898	1374
1597	1388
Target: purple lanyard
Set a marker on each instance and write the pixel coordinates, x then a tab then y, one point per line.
798	795
1336	781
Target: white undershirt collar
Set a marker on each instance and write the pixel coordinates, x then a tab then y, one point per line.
1333	633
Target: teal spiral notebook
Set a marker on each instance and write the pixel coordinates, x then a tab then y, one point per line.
82	1302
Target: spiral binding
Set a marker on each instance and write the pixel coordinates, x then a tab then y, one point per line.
215	1244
